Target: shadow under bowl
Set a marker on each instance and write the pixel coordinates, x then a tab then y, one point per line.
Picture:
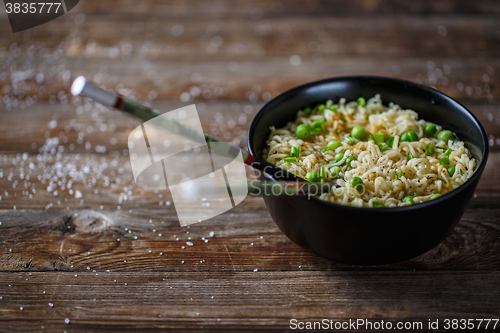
369	236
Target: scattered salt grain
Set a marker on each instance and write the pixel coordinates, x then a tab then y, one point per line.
51	305
66	321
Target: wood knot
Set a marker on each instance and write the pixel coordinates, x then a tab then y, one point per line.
86	221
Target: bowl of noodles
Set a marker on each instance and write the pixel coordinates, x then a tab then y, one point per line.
403	160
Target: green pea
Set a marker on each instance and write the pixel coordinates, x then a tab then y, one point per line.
356	183
335	171
338	157
409	136
379	137
358	132
312	176
451	171
361	101
429	149
306	111
322	173
295	151
409	198
321	107
377	204
437	195
350	159
334	144
444	161
303	132
333	108
445	136
290	159
430	129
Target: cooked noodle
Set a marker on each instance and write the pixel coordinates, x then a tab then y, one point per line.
388	175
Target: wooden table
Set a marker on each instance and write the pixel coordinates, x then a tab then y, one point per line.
105	254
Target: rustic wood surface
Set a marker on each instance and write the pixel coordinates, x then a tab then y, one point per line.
107	255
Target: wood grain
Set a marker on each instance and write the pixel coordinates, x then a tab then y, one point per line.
127	241
115	259
156	301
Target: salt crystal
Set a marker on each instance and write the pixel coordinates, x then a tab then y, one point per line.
212	234
66	320
78	194
51	305
255	270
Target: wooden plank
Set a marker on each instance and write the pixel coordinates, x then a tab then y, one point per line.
239	301
235	38
110	128
242	239
170	79
110	180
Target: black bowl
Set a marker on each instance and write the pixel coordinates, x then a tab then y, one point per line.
367	235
